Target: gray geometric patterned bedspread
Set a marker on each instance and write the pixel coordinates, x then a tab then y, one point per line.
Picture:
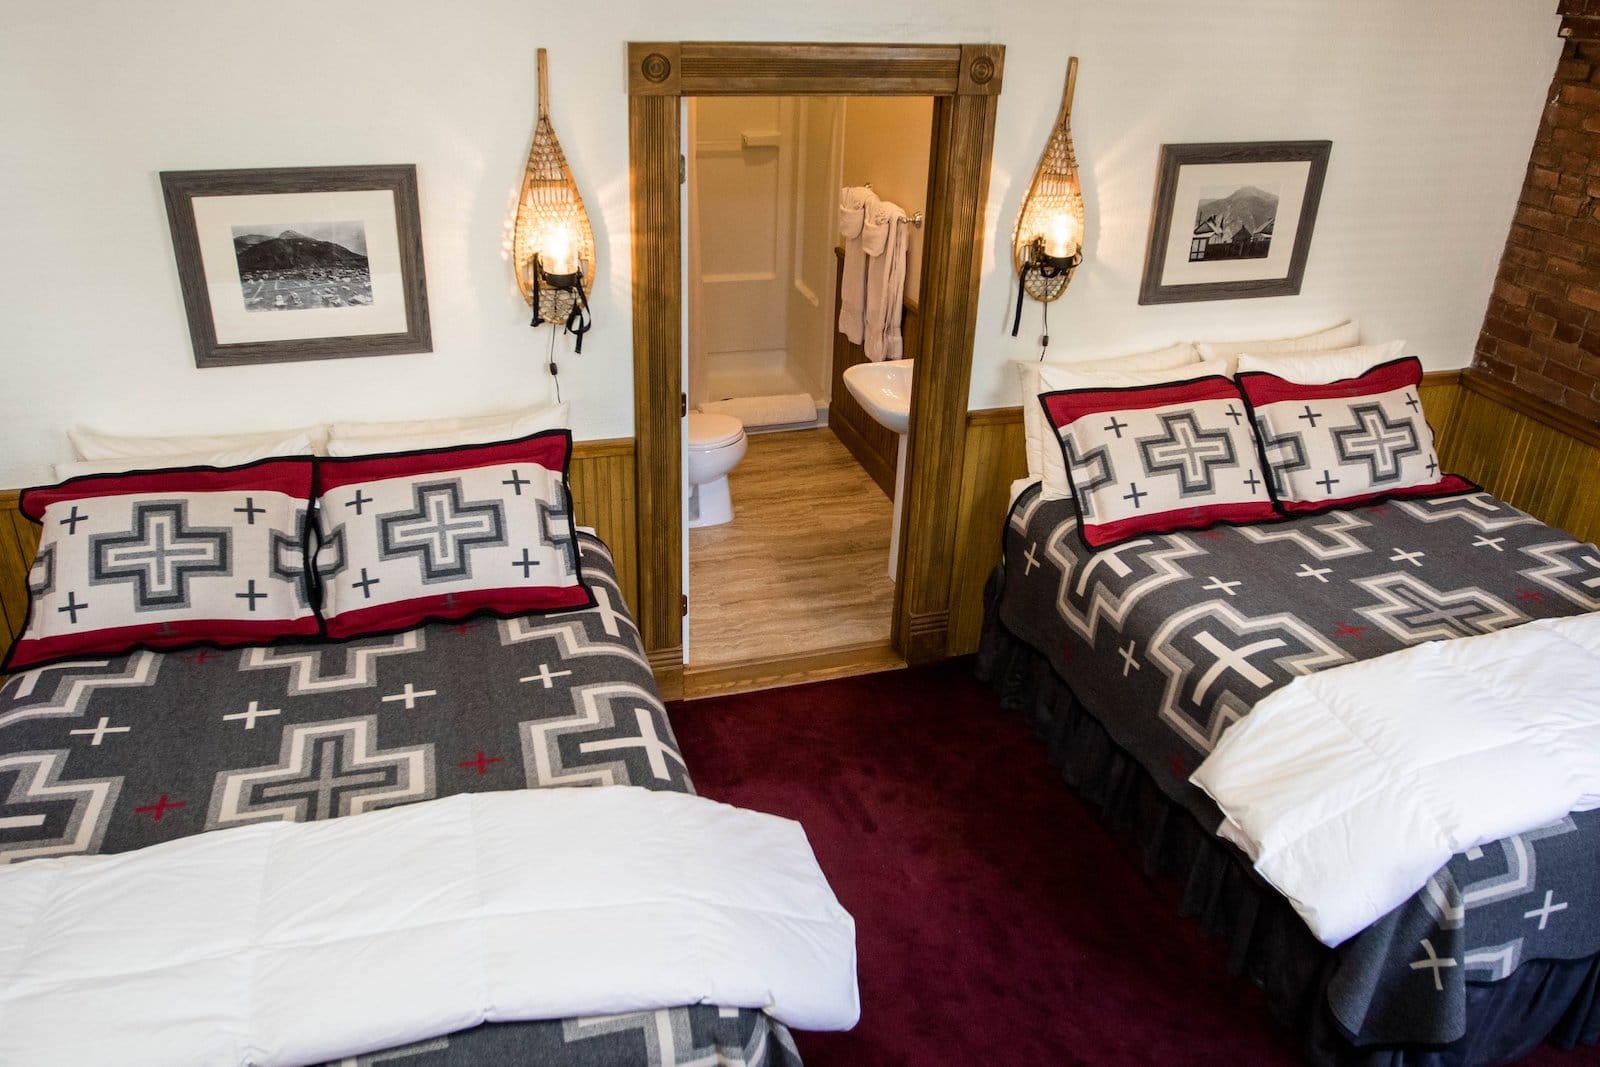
115	754
1168	639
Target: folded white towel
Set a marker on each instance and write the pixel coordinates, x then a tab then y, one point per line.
885	237
855	204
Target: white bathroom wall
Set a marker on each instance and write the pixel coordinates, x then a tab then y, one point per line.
886	141
1431	106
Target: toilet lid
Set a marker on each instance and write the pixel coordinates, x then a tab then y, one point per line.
713	431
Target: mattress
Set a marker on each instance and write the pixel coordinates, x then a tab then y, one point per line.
115	754
1167	640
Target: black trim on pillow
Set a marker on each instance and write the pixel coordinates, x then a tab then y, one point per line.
572	526
308	553
1377	498
1073	485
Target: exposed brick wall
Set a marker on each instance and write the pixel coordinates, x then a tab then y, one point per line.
1542	328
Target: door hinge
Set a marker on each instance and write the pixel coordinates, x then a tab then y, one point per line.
686	606
683	405
683	169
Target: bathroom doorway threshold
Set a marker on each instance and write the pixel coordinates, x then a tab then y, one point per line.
777	671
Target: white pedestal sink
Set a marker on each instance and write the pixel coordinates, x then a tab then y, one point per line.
884	390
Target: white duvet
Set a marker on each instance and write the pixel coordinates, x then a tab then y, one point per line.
285	943
1350	787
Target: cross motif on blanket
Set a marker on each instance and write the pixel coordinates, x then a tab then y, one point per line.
555	530
442	530
1286	453
160	554
1188	451
1090	471
1376	441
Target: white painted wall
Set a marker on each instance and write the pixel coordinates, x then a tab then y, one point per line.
886	141
1431	106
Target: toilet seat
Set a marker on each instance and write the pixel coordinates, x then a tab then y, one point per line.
713	431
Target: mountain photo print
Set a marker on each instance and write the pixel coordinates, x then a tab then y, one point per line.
1232	220
304	265
291	263
1233	224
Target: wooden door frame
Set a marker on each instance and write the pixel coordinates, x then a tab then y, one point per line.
965	82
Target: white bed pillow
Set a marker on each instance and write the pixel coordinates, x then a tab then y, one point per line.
1040	440
369	438
1321	368
295	445
91	445
1343	335
1053	377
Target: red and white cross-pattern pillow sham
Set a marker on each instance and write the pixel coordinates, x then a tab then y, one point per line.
167	559
1347	442
1155	459
447	533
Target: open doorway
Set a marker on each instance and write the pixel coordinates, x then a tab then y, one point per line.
791	482
965	81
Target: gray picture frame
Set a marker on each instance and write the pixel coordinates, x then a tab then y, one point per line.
181	189
1167	213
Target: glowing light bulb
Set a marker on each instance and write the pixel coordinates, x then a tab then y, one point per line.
1061	240
558	254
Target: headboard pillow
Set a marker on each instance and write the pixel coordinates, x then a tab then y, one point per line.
1159	458
1347	442
1341	335
1319	368
178	451
1054	378
447	533
296	444
167	559
372	438
1044	462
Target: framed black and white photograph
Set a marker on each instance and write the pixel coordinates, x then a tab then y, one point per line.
299	263
1232	220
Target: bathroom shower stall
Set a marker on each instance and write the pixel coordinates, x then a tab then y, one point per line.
763	192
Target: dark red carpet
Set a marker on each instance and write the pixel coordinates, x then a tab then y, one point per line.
996	921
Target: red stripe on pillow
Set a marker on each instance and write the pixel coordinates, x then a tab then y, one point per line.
549	449
292	477
223	633
1070	405
1099	535
1263	388
404	614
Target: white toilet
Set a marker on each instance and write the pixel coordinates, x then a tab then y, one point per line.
716	445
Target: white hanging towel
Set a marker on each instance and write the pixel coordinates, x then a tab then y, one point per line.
855	202
884	238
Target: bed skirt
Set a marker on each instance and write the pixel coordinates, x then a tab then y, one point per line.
1550	1001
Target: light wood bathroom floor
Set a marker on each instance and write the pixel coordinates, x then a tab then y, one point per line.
802	566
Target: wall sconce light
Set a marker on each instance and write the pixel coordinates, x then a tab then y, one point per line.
552	246
1047	244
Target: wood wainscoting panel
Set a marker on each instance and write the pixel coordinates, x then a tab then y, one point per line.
994	458
1441	397
602	481
19	539
874	445
1527	452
